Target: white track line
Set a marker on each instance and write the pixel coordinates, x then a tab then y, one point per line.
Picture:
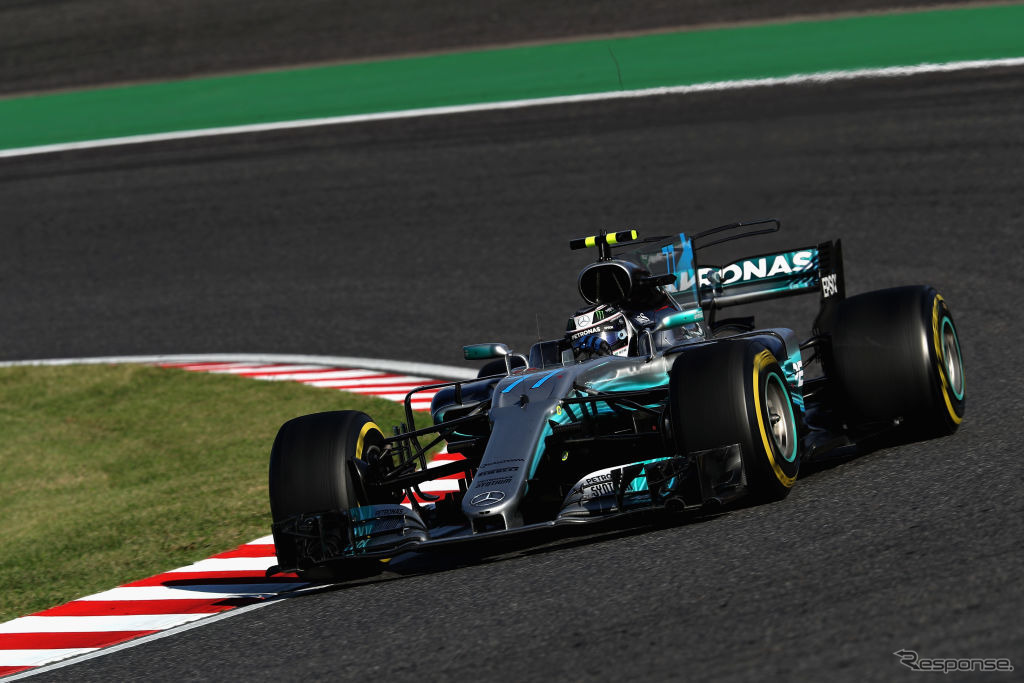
362	381
121	622
398	395
214	591
440	486
263	540
256	369
341	376
228	564
91	653
795	79
37	657
395	366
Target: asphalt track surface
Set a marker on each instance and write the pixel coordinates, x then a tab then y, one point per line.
67	44
408	239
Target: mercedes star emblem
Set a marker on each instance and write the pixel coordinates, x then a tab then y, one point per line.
488	498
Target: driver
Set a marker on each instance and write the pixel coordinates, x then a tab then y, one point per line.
602	330
608	330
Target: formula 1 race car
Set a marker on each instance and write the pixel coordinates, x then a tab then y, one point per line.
647	403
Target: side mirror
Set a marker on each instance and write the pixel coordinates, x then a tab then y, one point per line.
671	322
485	351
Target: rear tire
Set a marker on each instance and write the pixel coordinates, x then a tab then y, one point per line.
735	392
896	355
311	471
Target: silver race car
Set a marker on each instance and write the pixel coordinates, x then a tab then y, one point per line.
649	402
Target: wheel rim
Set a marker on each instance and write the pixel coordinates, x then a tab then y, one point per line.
951	359
780	417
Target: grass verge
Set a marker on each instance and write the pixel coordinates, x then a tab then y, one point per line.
110	474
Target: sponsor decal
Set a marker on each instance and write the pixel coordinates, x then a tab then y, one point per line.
599	486
592	330
602	485
752	270
642	319
487	498
491	471
604	488
499	481
829	286
591	487
600	323
798	372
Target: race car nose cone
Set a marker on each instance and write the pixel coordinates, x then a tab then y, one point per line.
487	498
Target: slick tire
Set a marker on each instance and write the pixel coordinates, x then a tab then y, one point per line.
735	392
312	468
896	356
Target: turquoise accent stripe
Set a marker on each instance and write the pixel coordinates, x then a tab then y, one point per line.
546	377
791	456
963	379
512	386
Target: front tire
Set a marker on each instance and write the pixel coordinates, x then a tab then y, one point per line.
735	392
312	470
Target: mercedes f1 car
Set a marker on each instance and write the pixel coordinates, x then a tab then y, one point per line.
649	402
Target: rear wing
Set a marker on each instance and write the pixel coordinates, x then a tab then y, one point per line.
749	280
778	274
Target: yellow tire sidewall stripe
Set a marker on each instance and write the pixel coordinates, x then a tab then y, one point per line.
359	456
362	437
761	361
943	379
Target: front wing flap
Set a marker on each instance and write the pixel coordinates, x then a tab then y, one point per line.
650	483
377	531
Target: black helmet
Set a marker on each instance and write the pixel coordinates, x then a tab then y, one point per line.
600	331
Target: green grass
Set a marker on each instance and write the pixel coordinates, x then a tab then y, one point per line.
110	474
533	71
